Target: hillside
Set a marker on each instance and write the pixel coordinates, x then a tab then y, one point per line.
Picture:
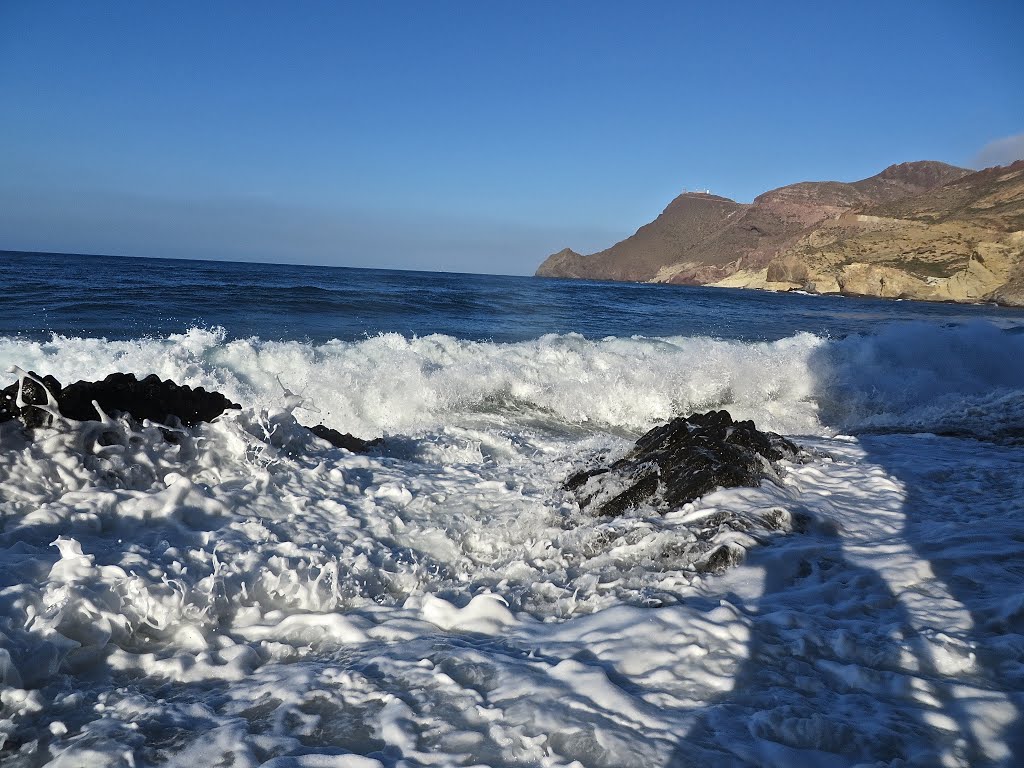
923	230
689	220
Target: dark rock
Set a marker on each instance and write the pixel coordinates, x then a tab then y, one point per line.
159	401
32	394
681	461
149	398
163	402
344	440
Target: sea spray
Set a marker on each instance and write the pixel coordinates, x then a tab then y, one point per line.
250	593
968	378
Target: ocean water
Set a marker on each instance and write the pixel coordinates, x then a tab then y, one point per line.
251	596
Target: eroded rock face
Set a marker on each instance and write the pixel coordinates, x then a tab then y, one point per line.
681	461
163	402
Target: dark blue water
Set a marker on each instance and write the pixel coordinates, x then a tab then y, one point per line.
120	298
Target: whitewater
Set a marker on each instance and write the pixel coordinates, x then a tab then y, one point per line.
249	595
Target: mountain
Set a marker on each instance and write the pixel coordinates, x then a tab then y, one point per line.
923	230
689	220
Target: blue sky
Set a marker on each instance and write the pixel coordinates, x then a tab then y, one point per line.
470	136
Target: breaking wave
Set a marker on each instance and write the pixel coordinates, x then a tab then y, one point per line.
248	595
965	379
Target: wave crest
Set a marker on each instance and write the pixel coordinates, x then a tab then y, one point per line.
967	379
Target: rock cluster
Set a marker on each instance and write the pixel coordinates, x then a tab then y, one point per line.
35	400
680	461
150	398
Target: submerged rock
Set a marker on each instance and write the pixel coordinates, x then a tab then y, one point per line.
681	461
163	402
344	440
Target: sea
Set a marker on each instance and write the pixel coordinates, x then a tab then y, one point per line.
248	595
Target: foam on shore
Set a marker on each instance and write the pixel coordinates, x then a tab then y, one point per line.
251	596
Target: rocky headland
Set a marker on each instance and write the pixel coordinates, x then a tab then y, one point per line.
921	230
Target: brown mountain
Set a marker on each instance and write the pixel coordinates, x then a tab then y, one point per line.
922	230
689	220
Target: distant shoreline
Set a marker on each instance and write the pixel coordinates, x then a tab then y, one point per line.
920	231
794	291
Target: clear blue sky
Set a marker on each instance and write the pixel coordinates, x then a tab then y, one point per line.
470	136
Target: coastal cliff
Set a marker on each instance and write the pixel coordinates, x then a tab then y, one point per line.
921	230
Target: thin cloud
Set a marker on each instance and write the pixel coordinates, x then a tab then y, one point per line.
1001	151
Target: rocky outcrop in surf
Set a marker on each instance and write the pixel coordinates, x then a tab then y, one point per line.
34	400
681	461
344	439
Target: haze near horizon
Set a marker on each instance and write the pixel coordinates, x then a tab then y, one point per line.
459	137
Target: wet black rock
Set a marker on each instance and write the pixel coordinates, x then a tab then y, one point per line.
159	401
681	461
344	440
33	395
162	402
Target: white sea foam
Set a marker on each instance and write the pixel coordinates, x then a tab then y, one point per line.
966	379
914	377
391	384
251	596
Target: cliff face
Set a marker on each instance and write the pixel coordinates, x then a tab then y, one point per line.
688	220
921	230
